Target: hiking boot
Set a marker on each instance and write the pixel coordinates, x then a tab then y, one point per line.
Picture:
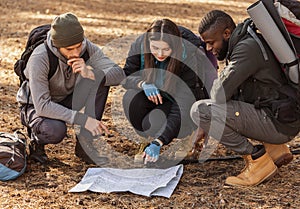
195	143
255	172
139	157
37	152
280	153
81	153
191	155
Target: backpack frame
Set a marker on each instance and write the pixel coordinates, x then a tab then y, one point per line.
290	63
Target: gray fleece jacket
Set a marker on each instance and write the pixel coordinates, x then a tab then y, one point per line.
46	94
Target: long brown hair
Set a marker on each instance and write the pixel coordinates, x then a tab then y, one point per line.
167	31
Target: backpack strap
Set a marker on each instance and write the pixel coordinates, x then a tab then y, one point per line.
258	41
142	58
53	61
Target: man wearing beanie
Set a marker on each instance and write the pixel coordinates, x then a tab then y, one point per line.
81	81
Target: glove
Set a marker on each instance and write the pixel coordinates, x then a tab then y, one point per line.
153	150
150	89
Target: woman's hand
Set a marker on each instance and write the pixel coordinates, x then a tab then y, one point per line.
151	153
152	92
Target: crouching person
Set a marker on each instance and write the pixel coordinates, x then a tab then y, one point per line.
242	98
81	79
162	84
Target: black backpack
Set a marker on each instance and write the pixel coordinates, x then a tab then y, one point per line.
286	109
36	37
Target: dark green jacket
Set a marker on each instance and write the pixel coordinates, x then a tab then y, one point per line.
248	77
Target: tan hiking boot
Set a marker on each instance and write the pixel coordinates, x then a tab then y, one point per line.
193	146
280	153
255	172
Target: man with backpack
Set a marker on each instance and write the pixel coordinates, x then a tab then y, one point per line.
81	80
246	100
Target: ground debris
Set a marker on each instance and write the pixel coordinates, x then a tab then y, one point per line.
113	25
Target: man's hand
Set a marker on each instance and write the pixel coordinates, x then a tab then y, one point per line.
78	66
200	134
200	140
152	93
95	126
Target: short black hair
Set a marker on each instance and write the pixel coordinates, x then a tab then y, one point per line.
216	19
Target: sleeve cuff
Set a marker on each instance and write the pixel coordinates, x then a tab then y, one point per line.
80	119
158	142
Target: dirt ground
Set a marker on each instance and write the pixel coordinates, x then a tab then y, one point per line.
113	25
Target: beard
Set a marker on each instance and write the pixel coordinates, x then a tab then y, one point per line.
223	52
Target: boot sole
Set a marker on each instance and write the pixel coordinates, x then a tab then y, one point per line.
284	160
39	159
268	177
82	155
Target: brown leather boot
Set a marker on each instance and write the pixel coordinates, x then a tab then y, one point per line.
280	154
255	172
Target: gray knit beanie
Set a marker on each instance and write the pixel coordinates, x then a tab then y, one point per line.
66	31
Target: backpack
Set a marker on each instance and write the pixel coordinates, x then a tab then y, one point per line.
272	29
36	37
292	5
12	155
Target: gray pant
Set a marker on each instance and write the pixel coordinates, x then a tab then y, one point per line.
234	122
51	131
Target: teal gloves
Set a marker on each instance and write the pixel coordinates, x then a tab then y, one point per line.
150	89
152	152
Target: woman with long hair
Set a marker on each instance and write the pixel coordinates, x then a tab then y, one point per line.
165	75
